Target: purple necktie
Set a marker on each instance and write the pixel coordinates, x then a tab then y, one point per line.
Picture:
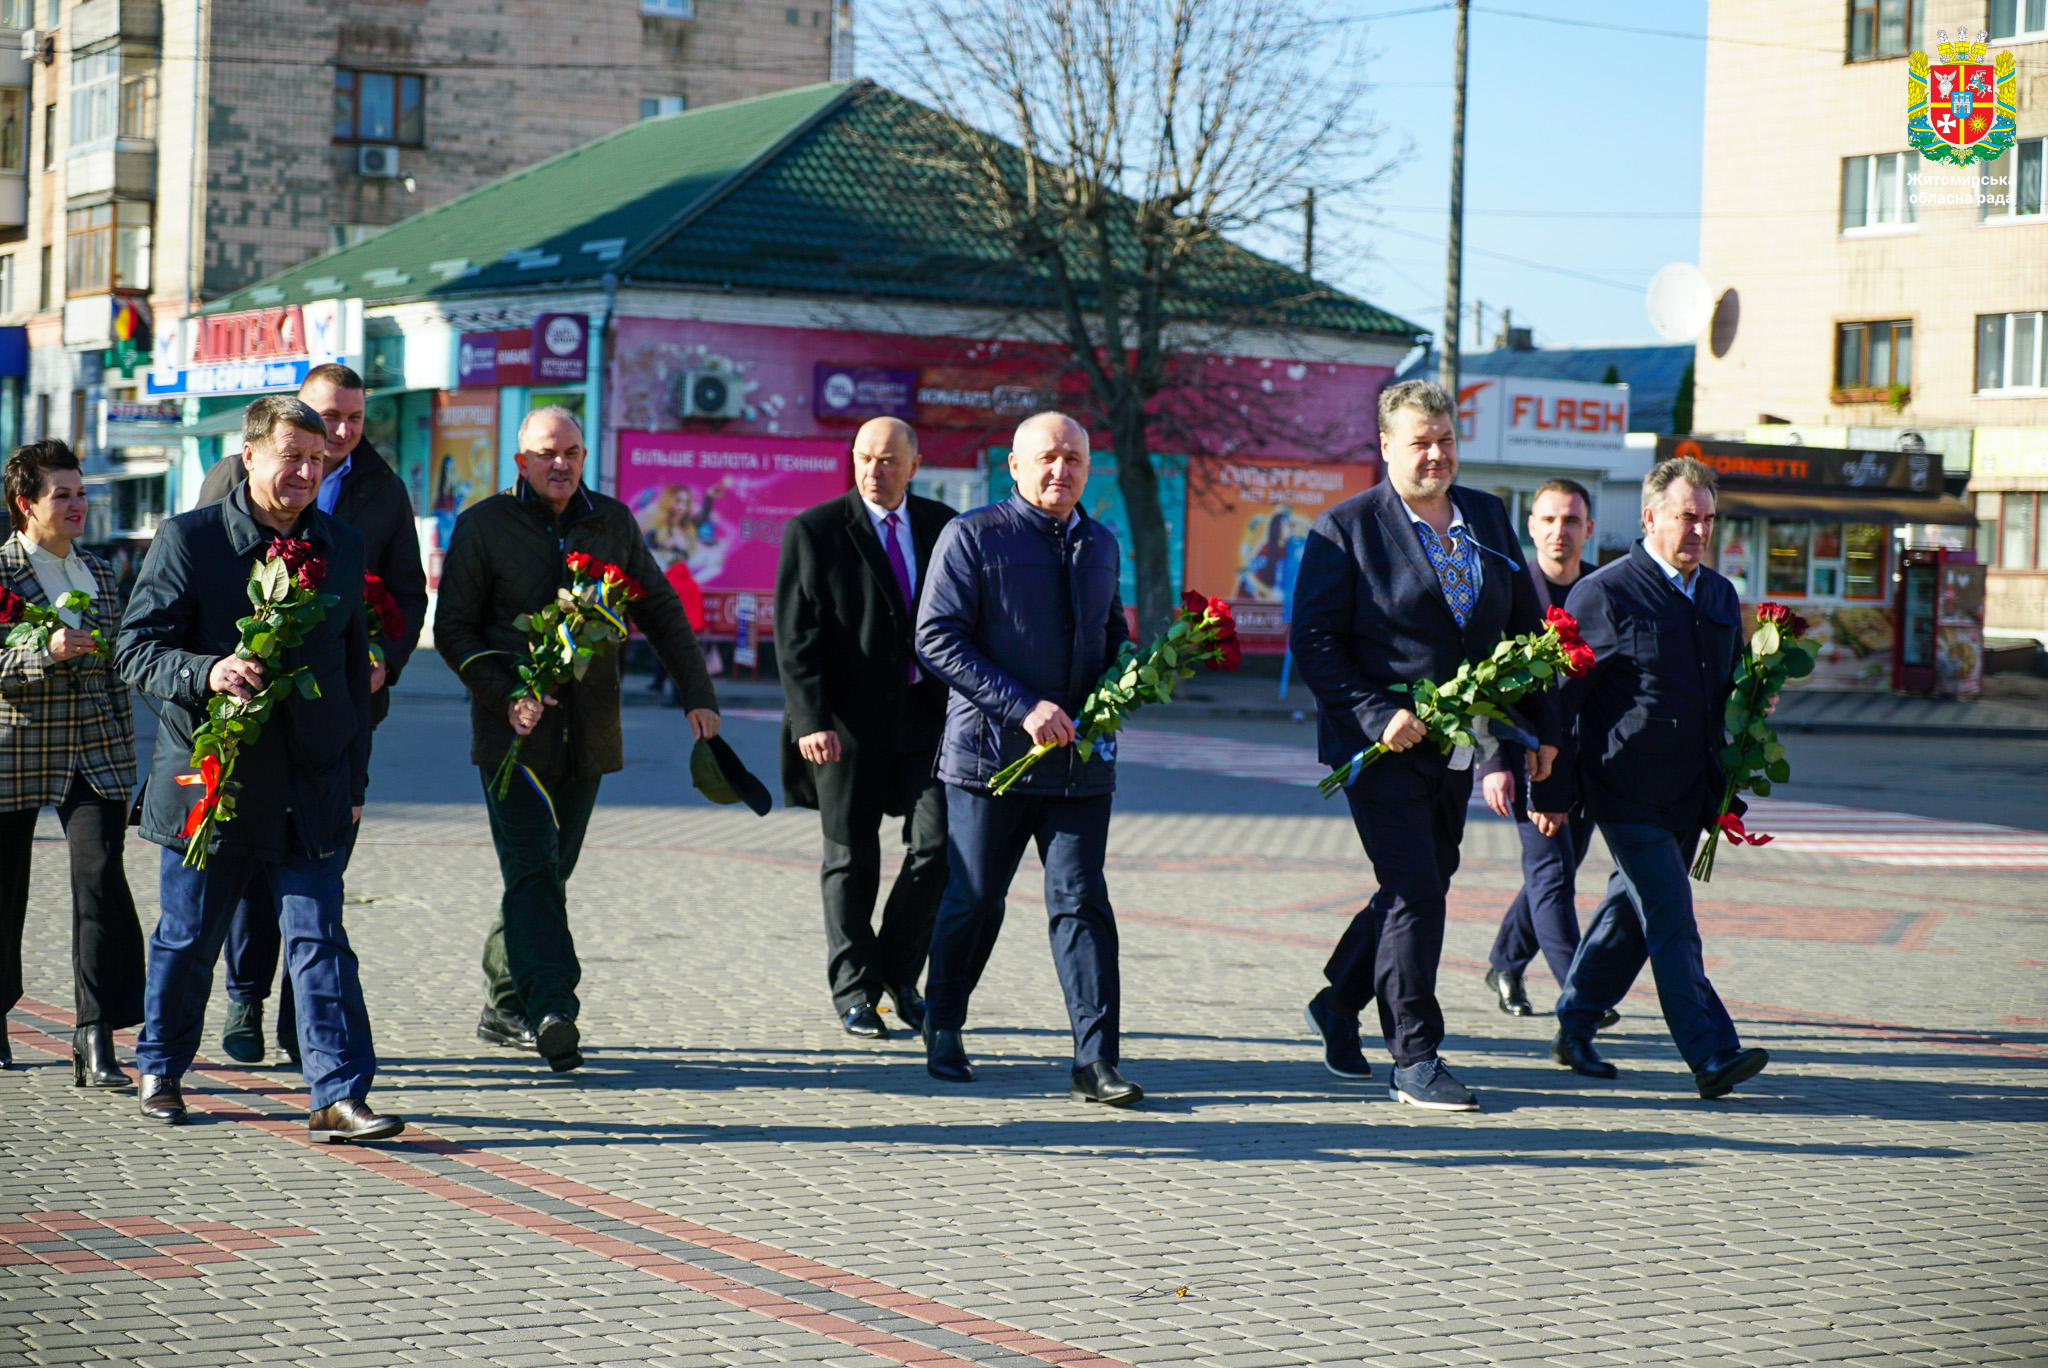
901	567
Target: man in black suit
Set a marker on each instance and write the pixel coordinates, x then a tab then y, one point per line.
1666	631
1404	582
862	721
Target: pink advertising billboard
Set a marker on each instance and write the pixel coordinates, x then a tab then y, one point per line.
712	507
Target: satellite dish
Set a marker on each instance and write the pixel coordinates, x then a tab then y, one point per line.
1679	302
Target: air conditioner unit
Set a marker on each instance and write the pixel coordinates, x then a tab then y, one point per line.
710	394
377	161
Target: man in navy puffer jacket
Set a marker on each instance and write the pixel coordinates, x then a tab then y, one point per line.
1020	617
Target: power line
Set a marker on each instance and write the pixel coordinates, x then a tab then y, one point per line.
1654	33
1521	261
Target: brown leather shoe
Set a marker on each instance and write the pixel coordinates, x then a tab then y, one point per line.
351	1120
162	1101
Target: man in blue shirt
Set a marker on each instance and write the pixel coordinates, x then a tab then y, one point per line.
1666	631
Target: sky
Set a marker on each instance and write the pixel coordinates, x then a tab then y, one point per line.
1582	162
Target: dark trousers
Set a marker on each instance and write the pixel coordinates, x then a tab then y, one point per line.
1544	914
1647	915
985	838
859	960
334	1030
106	939
530	966
1410	814
255	941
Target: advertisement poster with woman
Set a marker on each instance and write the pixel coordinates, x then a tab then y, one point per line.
1247	521
464	451
715	506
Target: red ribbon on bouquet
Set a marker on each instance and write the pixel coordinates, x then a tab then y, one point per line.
1731	827
209	774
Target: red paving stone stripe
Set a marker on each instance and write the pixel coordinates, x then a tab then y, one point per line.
388	1164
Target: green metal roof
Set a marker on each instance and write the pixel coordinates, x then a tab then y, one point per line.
799	192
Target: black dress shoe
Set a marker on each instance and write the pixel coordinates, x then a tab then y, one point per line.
1341	1053
350	1120
864	1021
6	1049
1608	1018
945	1058
92	1059
1507	987
162	1100
557	1040
242	1037
1725	1070
1580	1057
504	1028
1100	1082
909	1006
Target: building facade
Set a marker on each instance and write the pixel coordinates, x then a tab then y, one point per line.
1867	299
156	154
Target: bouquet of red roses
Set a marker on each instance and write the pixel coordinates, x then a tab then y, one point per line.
1778	650
1203	632
1451	710
386	618
29	625
284	587
563	639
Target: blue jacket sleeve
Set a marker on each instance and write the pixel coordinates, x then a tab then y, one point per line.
150	651
1589	603
1325	605
946	621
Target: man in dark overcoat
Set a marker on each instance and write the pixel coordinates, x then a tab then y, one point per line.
861	721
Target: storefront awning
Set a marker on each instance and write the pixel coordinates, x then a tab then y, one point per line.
1846	508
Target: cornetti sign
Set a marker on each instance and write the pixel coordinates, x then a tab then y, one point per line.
1909	472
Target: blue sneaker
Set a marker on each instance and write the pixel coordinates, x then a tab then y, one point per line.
1430	1085
1339	1033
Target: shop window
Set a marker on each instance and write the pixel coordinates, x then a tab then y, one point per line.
1882	28
1877	191
113	95
106	247
378	107
1790	552
1863	546
2019	19
670	9
1733	558
655	106
139	503
13	129
2016	533
1826	544
2010	351
2011	185
1872	361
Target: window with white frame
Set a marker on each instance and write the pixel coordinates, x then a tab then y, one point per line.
17	14
1878	191
2019	19
6	285
2009	351
2012	184
655	106
670	9
113	95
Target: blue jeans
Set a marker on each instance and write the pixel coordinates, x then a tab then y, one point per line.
1544	914
985	839
255	941
334	1030
1647	915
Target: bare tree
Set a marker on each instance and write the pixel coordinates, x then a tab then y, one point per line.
1115	145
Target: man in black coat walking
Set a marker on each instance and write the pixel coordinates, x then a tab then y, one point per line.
861	721
358	488
298	785
1645	754
1404	582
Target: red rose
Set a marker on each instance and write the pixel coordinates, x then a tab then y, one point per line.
10	606
385	614
1193	604
310	572
581	564
628	587
292	552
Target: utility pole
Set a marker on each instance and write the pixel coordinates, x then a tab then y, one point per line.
1447	370
1308	232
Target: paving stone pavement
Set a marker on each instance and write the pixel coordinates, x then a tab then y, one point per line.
731	1181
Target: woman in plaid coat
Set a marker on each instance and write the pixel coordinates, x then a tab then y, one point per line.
67	740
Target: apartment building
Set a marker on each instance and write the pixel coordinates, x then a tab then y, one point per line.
155	154
1867	299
